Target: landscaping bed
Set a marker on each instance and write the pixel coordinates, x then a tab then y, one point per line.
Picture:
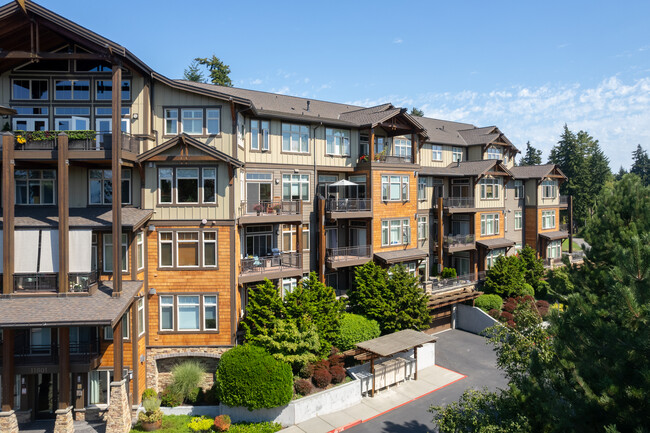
179	424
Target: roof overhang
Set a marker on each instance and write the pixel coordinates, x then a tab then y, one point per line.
552	236
492	244
392	257
6	111
186	141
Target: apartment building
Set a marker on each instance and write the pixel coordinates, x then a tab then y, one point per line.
219	189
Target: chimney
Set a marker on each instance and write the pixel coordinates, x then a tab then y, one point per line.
308	103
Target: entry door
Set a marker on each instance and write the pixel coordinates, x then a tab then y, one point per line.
47	392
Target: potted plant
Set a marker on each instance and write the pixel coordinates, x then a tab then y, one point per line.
151	418
277	208
363	158
257	208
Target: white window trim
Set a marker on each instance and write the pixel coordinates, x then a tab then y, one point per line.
198	246
160	312
217	118
301	184
205	306
495	224
338	146
457	154
519	216
405	228
178	315
436	149
140	249
171	115
192	119
142	316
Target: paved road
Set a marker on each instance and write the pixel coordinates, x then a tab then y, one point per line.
456	350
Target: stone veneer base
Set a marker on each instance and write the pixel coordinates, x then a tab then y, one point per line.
8	422
119	410
64	422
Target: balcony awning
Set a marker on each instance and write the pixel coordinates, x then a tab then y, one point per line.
552	236
34	217
6	111
392	257
493	244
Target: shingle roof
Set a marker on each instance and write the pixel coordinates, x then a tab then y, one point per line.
390	257
465	168
491	244
444	131
191	141
99	309
89	217
532	171
554	235
400	341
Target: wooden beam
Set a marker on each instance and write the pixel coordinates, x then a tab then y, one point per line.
8	201
371	143
570	208
320	229
372	371
116	168
415	355
414	149
118	351
440	234
36	55
64	368
134	350
63	179
8	376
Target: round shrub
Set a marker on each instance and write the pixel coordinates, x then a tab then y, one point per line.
506	316
249	376
149	393
542	307
494	313
321	378
186	377
323	364
355	329
527	290
338	374
510	305
489	302
170	398
306	371
303	387
448	273
222	423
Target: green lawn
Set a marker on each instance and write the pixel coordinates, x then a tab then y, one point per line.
178	424
565	246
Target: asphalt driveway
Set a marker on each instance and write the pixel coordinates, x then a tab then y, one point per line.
456	350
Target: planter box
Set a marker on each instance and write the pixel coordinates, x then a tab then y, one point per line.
208	411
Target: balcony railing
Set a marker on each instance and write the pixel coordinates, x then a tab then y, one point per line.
82	282
280	262
552	262
576	256
564	199
86	140
564	227
451	241
80	352
348	205
458	202
271	207
35	282
394	159
347	253
437	284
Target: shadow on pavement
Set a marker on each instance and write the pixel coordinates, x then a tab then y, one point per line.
407	427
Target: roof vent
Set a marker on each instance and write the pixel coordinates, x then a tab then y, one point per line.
308	103
458	163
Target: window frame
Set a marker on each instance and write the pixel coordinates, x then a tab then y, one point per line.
494	223
161	306
139	240
216	118
126	179
169	120
404	229
519	189
173	178
340	142
302	183
547	217
493	152
175	305
301	134
178	310
549	186
456	154
387	184
495	183
436	150
125	254
141	317
96	90
41	180
423	225
72	82
174	242
554	246
519	220
31	90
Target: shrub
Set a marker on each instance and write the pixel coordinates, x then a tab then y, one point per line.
338	374
186	377
323	364
152	413
355	329
510	305
201	424
151	405
448	273
494	313
259	427
303	387
542	307
195	396
249	376
321	378
222	423
171	398
210	396
489	302
506	316
527	290
289	344
149	393
336	359
306	371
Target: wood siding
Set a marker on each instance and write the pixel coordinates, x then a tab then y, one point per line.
477	225
530	226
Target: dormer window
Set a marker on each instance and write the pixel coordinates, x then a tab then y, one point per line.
494	153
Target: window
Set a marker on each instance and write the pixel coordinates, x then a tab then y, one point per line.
31	111
395	188
188	313
259	241
490	224
288	285
422	188
187	249
548	219
492	255
188	245
100	186
71	111
171	121
140	316
98	386
192	121
140	249
423	232
35	186
108	252
295	138
187	182
456	154
93	253
30	89
395	232
402	148
494	153
166	313
209	249
295	187
549	189
518	220
289	238
258	191
210	313
212	120
338	141
260	134
187	185
209	185
490	188
165	246
165	181
519	189
108	331
554	249
71	90
104	90
436	151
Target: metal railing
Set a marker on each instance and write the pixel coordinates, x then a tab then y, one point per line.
36	282
81	282
130	143
462	202
270	263
269	207
564	199
564	227
394	159
80	352
459	281
348	205
345	253
458	240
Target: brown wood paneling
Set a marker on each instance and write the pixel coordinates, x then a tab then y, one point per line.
530	226
393	209
477	225
440	319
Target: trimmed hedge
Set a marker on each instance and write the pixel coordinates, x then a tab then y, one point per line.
249	376
321	378
303	387
355	329
488	302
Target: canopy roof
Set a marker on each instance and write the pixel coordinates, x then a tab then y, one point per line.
551	236
397	342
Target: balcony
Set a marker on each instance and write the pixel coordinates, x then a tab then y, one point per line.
36	283
443	284
564	201
273	267
564	227
348	208
80	353
456	243
82	282
267	211
553	262
348	256
78	141
458	204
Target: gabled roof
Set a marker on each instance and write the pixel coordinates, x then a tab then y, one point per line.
186	140
485	135
467	168
537	171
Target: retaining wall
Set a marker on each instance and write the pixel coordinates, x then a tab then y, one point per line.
473	319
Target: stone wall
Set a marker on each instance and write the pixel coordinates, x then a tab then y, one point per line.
64	422
161	361
119	410
8	422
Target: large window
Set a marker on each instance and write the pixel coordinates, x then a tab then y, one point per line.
494	153
518	220
187	249
98	386
100	186
108	252
423	232
295	187
187	185
492	255
104	90
395	188
402	148
422	188
490	188
295	138
140	250
192	121
188	313
548	219
259	241
30	89
338	141
209	182
35	186
457	154
489	224
258	191
436	151
289	238
519	189
71	90
213	121
260	134
186	182
554	249
549	189
171	121
395	232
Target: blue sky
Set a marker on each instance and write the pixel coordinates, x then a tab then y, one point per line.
527	67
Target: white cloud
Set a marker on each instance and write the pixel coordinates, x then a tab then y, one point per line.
397	41
256	81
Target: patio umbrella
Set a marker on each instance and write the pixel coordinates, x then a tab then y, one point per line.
342	182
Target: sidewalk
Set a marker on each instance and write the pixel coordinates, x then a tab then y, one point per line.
429	380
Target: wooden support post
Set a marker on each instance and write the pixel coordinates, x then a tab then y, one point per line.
371	144
8	200
415	355
414	148
321	238
372	371
135	330
116	168
570	203
63	192
440	234
299	244
8	376
118	354
64	368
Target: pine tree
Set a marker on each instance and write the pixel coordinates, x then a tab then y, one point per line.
416	112
532	156
641	164
264	307
621	172
507	277
598	172
219	71
367	296
193	73
289	344
409	302
533	266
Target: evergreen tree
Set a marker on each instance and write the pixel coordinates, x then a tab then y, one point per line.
598	172
621	172
219	71
409	302
507	277
416	112
533	266
532	156
367	296
289	344
193	73
641	164
264	307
